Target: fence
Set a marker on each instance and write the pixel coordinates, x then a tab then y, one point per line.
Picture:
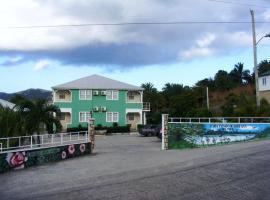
220	120
191	132
39	141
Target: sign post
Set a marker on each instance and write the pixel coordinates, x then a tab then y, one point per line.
165	118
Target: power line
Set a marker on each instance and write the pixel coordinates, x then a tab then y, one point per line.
132	23
240	4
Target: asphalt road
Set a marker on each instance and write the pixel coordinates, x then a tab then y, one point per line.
132	167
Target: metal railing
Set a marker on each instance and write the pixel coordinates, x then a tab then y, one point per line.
220	120
146	106
41	141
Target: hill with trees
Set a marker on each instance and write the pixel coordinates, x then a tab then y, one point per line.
230	93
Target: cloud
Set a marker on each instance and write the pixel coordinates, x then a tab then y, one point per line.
201	49
121	46
42	64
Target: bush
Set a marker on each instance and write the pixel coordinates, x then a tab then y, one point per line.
118	129
77	129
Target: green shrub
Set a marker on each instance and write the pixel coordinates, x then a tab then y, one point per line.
118	129
77	129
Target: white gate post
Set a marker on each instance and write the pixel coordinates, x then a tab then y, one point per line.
164	129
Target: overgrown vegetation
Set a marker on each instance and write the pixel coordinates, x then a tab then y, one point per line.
28	117
231	94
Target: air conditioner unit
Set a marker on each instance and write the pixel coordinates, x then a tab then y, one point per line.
103	93
96	109
103	109
95	92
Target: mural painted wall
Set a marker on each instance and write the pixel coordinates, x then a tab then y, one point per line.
24	159
214	133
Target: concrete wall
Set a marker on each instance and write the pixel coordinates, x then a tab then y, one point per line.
23	159
265	95
214	133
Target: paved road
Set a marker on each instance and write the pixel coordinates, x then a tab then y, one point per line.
132	167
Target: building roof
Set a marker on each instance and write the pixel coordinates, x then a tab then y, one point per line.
7	104
267	73
96	82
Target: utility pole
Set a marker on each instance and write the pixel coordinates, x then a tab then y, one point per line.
207	97
255	58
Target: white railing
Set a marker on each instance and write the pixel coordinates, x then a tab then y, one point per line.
146	106
202	120
41	141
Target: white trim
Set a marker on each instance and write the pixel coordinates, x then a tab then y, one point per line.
85	116
112	95
133	110
141	97
112	117
91	96
66	110
61	101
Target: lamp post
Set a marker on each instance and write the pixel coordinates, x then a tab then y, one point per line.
255	43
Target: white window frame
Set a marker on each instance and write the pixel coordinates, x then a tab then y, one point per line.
85	95
85	116
113	92
264	81
113	115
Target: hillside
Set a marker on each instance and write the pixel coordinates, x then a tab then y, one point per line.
29	94
217	98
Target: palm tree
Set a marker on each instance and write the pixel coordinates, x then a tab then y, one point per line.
10	123
37	114
239	75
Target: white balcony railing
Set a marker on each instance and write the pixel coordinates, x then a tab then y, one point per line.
41	141
146	106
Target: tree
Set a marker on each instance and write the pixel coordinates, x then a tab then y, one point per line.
10	123
239	75
264	66
223	81
37	114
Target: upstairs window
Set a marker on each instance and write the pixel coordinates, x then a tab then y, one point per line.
62	95
264	80
85	94
112	95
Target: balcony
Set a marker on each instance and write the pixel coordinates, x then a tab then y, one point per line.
62	96
146	106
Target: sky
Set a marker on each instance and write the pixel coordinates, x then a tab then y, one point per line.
41	57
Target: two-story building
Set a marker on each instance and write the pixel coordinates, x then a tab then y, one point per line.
264	86
108	101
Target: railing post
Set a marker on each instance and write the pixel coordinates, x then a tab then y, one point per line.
52	139
42	138
239	120
31	142
61	138
19	141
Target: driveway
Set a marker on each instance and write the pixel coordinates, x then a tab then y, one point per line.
134	167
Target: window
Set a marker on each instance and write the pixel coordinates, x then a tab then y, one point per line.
264	80
131	117
112	95
61	116
62	95
112	116
85	94
85	116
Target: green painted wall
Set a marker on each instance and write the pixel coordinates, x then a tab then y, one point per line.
119	106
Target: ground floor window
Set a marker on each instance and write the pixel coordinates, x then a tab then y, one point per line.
112	116
84	116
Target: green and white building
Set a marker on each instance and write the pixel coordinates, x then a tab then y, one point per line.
108	100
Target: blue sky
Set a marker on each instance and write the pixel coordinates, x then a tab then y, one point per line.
42	58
